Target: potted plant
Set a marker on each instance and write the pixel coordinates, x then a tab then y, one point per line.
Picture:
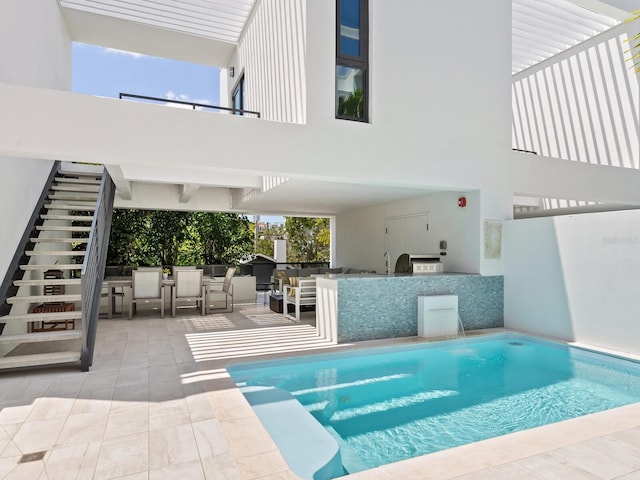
165	272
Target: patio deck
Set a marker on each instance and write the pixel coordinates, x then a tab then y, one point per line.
158	404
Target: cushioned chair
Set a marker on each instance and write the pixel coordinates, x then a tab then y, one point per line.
188	287
146	288
227	290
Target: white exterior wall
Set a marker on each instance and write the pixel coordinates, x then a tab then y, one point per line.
360	233
35	46
36	50
575	278
271	56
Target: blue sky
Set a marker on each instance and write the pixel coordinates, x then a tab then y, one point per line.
107	73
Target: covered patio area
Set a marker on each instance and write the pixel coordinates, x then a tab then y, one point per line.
158	404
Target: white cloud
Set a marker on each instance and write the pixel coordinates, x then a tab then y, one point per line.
183	97
113	51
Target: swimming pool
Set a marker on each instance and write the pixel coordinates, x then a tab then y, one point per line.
388	404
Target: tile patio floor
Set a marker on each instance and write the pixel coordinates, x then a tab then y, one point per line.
158	404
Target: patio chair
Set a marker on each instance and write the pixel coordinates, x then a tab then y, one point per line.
146	287
189	287
227	290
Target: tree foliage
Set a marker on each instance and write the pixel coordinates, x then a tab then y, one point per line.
308	239
352	105
264	241
635	43
145	237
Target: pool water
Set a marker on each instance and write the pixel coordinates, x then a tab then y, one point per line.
389	404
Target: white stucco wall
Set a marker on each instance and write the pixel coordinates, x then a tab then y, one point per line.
35	46
575	278
35	49
360	233
20	187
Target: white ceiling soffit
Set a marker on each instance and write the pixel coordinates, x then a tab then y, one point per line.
221	20
543	28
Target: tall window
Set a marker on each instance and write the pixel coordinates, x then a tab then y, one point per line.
237	97
352	59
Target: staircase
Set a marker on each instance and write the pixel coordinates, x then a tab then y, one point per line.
44	325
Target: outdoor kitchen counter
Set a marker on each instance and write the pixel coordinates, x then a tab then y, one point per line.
357	307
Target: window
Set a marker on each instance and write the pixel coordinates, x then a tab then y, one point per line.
237	97
352	59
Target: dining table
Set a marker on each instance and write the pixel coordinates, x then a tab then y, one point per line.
111	283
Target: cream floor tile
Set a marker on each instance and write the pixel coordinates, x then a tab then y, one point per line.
210	438
66	386
127	421
5	439
230	405
247	437
599	458
170	389
161	359
258	466
89	461
172	446
168	414
10	450
136	476
221	467
26	471
132	376
189	470
130	395
12	429
38	435
99	381
550	466
47	408
123	456
199	407
82	429
101	404
7	464
630	476
12	413
629	435
64	463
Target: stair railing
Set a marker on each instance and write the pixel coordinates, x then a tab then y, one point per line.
7	288
93	268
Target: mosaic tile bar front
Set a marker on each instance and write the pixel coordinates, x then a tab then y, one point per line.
379	307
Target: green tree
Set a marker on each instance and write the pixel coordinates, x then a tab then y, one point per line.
224	237
635	43
264	243
143	237
308	239
352	105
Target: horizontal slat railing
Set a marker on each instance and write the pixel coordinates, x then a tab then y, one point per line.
93	268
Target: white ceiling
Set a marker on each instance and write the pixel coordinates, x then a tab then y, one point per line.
215	19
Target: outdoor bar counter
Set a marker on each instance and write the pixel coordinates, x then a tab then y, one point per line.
352	308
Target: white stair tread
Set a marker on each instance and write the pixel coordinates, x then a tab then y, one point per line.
50	266
70	206
51	336
38	359
55	228
84	180
54	253
48	281
42	317
76	188
45	298
58	240
71	218
77	197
